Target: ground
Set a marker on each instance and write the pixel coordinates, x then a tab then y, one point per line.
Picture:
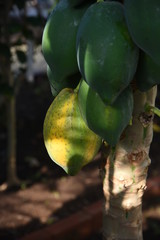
47	194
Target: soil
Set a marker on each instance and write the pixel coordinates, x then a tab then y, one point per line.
46	194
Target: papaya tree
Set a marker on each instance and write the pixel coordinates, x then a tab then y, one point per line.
103	68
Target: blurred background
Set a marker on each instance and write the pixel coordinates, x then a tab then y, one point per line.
35	192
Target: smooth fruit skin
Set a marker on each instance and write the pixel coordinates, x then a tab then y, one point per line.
143	19
59	39
68	140
57	86
108	121
106	54
148	73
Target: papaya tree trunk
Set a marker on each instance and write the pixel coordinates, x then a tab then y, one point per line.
126	172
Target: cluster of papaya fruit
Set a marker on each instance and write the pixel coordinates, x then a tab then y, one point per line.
94	50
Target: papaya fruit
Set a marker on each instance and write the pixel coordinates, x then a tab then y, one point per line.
148	72
106	54
59	39
56	86
143	20
107	121
68	140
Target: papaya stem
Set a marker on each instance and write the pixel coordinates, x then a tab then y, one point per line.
152	109
77	88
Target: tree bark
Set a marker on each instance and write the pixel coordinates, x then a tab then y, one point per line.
126	172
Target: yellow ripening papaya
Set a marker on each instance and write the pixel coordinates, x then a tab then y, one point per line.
143	19
68	82
108	121
148	72
107	56
59	39
68	140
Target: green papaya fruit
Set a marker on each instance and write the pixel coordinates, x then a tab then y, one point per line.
148	73
143	19
107	56
68	140
108	121
69	82
59	39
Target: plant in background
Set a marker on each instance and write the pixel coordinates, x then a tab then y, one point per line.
112	49
15	28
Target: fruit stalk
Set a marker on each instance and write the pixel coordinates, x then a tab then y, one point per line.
126	172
